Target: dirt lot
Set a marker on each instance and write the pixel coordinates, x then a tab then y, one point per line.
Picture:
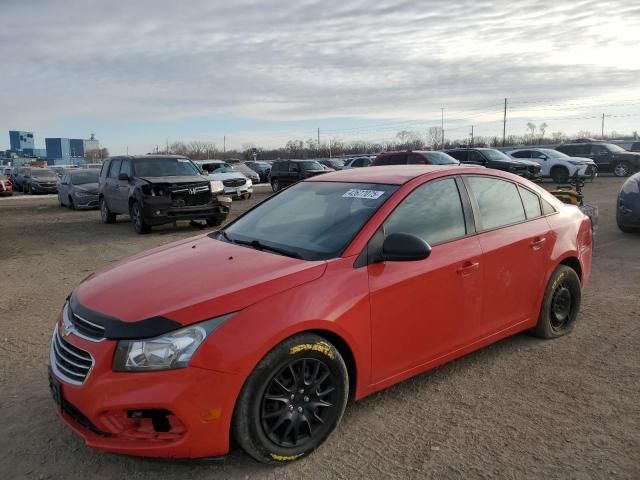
522	408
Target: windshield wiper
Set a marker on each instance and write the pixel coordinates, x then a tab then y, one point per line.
257	245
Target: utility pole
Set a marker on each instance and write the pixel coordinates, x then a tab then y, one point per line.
442	125
318	138
127	150
602	134
167	141
472	135
504	123
224	146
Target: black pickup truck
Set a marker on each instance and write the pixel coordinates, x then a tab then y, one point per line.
159	189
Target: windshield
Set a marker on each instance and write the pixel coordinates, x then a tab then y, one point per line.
312	220
613	148
441	158
42	173
496	155
553	153
312	165
164	167
80	178
217	167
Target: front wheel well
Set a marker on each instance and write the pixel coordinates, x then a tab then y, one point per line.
347	355
574	264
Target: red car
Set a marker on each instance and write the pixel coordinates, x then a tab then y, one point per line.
6	187
335	288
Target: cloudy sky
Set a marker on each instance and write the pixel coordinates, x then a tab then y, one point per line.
136	73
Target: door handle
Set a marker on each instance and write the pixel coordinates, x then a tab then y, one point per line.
468	268
536	244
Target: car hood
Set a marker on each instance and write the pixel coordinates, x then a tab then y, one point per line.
582	160
527	163
626	156
87	187
192	280
225	176
175	179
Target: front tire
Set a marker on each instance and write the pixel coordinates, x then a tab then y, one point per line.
621	169
559	175
292	401
275	185
71	204
560	305
139	225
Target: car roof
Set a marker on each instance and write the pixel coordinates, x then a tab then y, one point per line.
143	157
390	174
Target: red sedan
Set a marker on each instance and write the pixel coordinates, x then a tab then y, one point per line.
335	288
6	187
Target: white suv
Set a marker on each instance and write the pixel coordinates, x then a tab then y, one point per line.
556	164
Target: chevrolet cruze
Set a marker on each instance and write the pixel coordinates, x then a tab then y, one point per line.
332	289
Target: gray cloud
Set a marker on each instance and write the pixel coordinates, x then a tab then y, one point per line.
282	60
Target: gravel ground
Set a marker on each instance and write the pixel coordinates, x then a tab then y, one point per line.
521	408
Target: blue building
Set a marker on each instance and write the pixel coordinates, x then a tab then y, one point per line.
58	151
76	146
21	143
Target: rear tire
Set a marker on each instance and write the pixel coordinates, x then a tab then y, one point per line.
559	175
626	229
105	213
292	401
139	225
621	169
560	305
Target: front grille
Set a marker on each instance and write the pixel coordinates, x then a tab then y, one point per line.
84	327
534	168
190	195
70	363
234	182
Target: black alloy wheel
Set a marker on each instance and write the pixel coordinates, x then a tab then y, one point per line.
292	401
298	402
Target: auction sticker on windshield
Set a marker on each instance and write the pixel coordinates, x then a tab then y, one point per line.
369	194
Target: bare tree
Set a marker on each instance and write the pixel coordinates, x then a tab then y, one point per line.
434	137
543	128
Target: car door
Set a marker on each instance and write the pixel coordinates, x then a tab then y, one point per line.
602	156
543	160
63	188
422	310
516	245
121	195
293	174
476	158
109	190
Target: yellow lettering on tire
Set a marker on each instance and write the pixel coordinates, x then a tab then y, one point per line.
285	458
321	347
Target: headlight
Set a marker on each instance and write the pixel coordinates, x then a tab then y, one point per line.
80	193
573	162
249	182
216	186
167	352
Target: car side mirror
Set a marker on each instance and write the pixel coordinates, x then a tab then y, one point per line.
123	176
404	247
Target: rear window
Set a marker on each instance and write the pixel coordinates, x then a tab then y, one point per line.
441	158
498	201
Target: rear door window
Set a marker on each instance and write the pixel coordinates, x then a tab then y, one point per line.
521	154
531	203
498	202
460	155
414	159
433	212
